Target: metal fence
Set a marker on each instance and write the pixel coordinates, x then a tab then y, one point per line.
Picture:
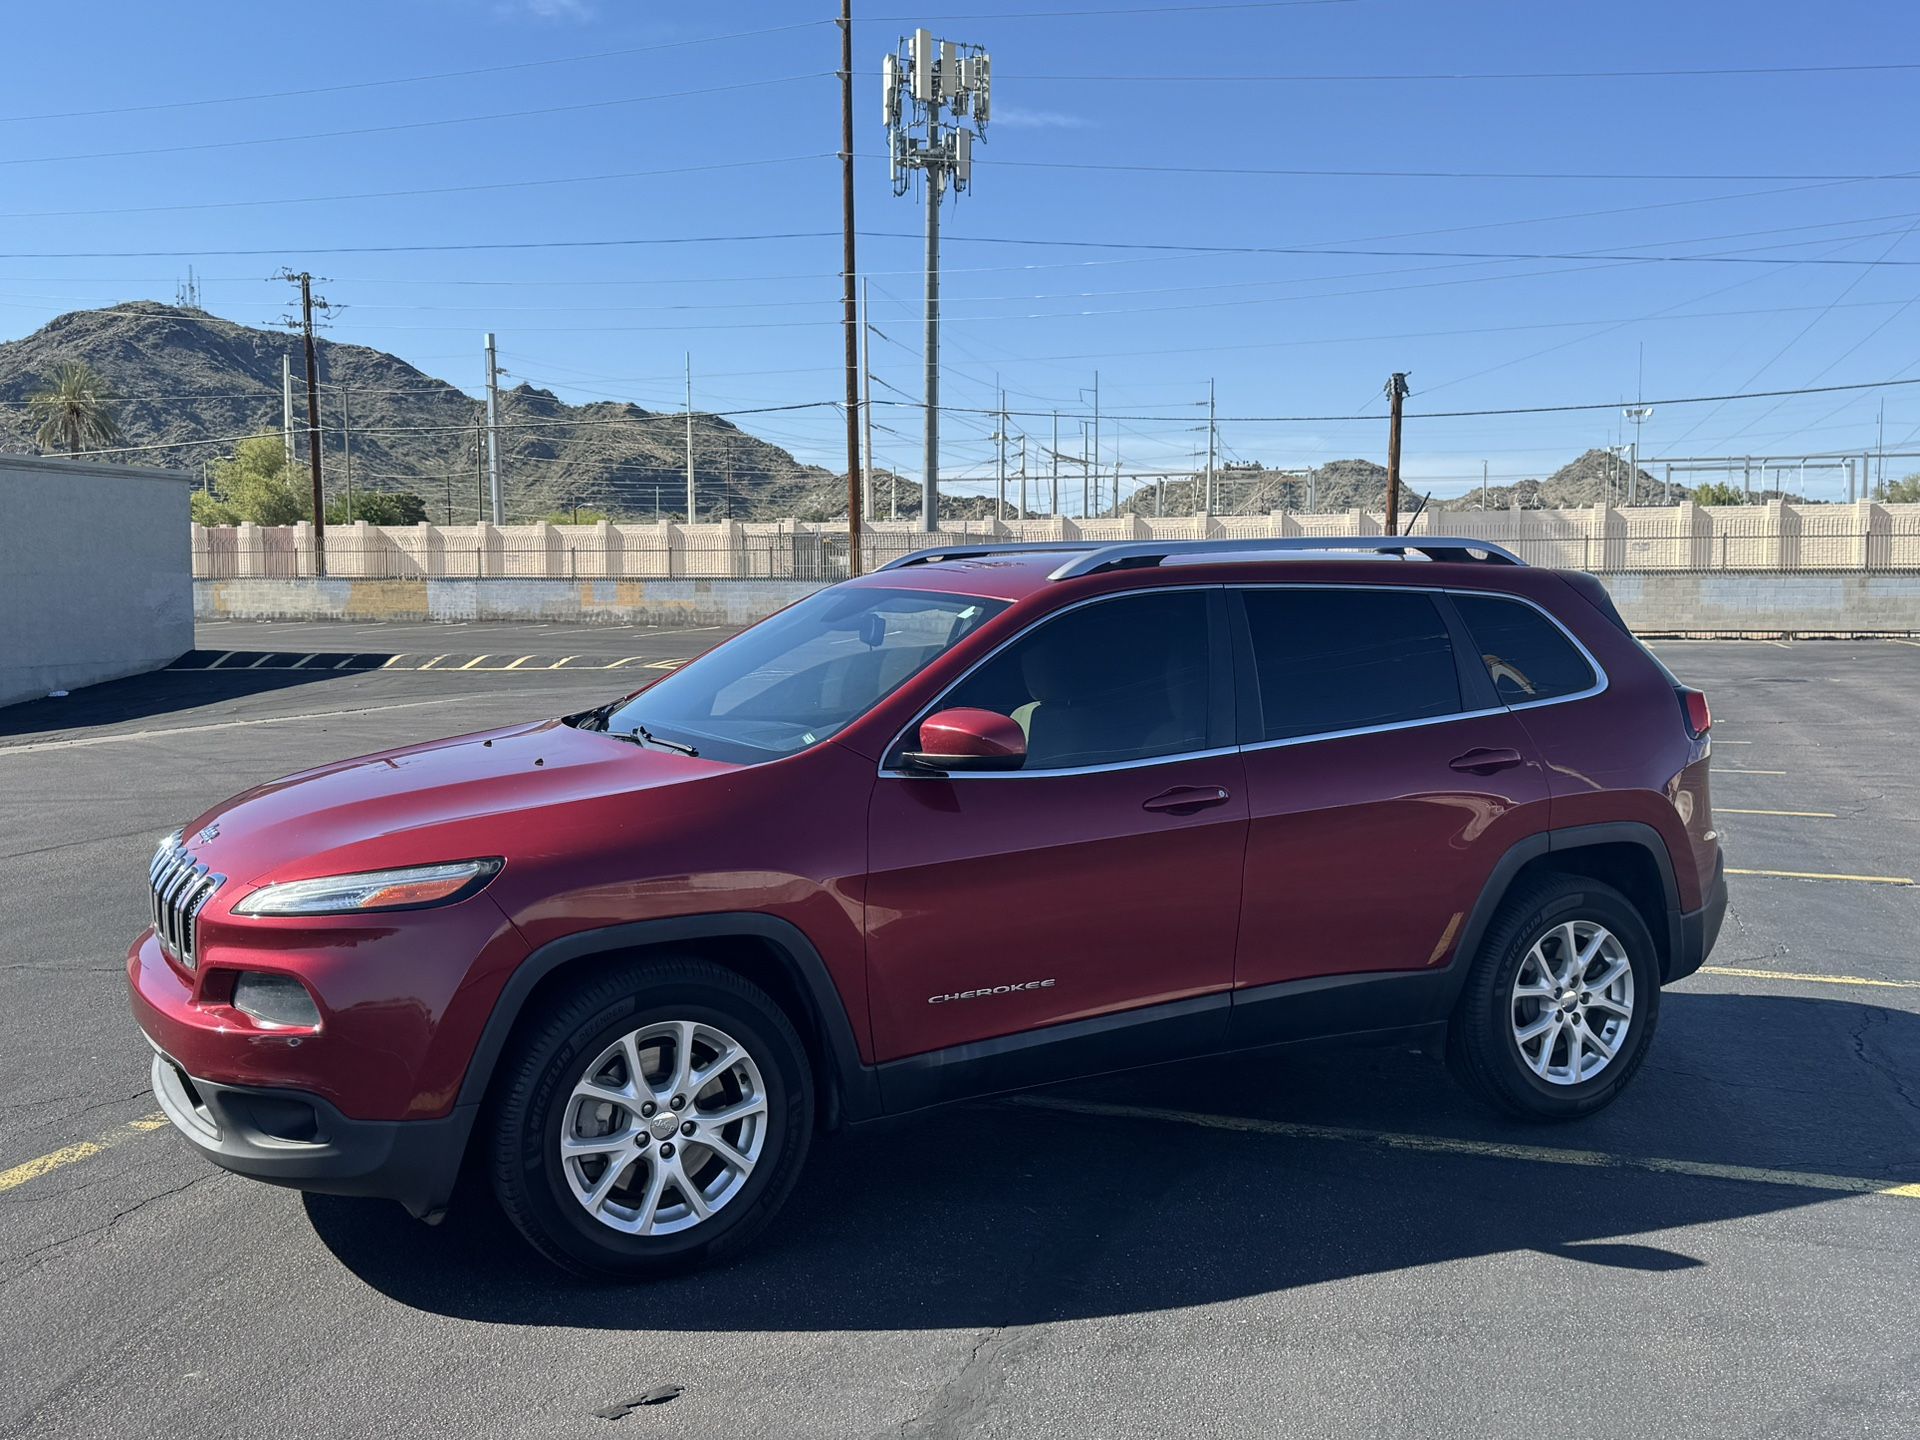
821	555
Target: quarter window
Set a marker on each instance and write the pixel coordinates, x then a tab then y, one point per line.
1110	682
1331	660
1528	656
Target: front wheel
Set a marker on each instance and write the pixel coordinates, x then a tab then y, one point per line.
1561	1002
651	1120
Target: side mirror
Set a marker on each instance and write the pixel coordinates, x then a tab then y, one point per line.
966	739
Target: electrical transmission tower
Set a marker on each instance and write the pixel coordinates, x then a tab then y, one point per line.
937	102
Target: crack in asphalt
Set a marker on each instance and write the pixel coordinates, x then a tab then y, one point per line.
1874	1017
46	1254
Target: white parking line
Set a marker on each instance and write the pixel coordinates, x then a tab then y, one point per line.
85	742
1485	1149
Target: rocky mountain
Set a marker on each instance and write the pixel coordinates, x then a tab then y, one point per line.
184	375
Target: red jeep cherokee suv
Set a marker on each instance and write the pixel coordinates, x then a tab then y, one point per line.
986	818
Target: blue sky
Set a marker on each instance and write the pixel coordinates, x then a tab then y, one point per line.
728	137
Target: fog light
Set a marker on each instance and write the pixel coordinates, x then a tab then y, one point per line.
274	999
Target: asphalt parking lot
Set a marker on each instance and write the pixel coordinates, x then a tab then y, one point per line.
1333	1246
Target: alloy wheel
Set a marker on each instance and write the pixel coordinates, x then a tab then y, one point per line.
1572	1002
664	1128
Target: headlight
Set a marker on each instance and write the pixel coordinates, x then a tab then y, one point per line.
410	889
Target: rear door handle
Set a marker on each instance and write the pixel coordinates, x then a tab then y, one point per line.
1485	762
1185	799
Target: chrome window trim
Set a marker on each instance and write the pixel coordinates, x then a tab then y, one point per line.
888	772
1598	687
1319	735
1601	680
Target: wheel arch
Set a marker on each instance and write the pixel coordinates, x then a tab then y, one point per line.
1626	854
772	953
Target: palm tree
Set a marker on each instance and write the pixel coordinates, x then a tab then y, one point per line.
72	412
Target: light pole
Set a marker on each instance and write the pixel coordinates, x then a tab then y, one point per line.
1639	415
937	103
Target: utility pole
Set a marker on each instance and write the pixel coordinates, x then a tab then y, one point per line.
847	273
1209	505
479	469
1096	421
692	515
493	430
1022	515
1053	507
922	80
1085	470
1483	487
286	407
866	399
346	440
305	323
1000	456
1396	392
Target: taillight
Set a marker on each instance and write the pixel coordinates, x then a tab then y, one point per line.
1699	716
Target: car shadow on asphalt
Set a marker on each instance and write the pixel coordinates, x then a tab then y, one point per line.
999	1214
163	692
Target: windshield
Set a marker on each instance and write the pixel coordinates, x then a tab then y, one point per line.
798	678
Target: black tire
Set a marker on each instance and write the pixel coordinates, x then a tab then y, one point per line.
1482	1050
549	1057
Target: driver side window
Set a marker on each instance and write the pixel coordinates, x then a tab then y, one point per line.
1114	681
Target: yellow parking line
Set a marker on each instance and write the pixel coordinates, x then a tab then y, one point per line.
1817	875
392	660
1804	979
1729	770
618	663
665	664
1485	1149
561	661
433	662
1795	814
471	663
68	1154
518	663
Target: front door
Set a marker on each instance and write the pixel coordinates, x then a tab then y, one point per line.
1102	878
1385	781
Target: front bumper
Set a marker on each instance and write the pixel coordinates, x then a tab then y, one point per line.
292	1138
1700	928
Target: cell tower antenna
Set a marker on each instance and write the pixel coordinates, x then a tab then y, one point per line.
938	97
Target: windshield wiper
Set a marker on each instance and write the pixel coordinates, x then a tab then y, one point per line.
640	735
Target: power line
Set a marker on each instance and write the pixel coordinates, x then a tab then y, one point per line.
1116	10
411	124
430	190
1402	77
1453	414
1491	256
407	79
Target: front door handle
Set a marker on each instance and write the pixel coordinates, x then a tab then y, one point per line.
1485	762
1185	799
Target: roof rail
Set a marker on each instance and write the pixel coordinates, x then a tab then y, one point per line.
933	554
1141	553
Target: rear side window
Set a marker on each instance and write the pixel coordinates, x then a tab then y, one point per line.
1329	660
1108	683
1528	656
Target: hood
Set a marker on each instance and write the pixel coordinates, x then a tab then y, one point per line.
496	792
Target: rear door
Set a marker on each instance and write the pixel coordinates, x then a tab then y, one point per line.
1102	878
1384	781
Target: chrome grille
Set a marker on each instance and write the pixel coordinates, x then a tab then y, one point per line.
180	887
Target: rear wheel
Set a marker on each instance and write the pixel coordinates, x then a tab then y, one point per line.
1561	1002
651	1120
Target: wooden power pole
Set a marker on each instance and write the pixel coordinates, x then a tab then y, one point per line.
305	281
1396	392
852	312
